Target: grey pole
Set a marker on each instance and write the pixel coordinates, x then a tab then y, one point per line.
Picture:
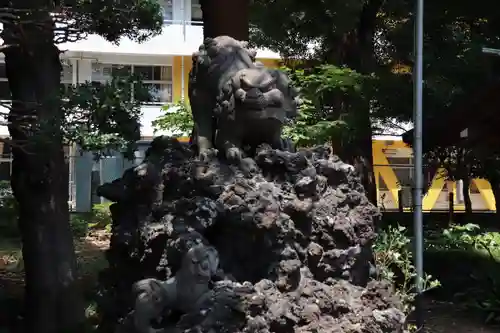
417	153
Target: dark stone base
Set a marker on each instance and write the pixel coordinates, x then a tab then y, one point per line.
294	239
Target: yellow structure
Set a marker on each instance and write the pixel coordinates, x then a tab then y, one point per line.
393	171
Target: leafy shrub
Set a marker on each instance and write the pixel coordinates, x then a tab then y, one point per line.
7	200
472	272
322	118
101	216
8	211
394	261
177	119
79	223
98	218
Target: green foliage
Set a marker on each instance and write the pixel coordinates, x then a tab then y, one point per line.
373	36
103	116
459	163
112	19
8	211
288	26
81	223
8	204
177	118
480	284
394	260
328	32
98	117
98	219
321	118
101	217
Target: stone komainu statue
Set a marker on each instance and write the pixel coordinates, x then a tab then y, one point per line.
235	101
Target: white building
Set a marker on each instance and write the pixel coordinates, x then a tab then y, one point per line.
164	61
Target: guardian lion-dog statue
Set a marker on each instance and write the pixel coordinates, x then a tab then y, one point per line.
236	101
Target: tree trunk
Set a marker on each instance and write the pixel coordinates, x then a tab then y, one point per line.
226	18
356	50
463	173
466	194
495	187
53	301
360	155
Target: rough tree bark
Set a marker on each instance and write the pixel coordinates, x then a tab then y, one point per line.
491	173
463	173
226	17
39	178
466	194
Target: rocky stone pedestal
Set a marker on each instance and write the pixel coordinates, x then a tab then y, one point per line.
292	231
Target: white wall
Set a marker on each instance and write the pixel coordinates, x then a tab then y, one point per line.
178	37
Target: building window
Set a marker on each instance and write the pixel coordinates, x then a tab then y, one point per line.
67	73
167	11
4	84
158	79
5	162
196	13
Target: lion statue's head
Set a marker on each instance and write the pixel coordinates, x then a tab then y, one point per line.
226	69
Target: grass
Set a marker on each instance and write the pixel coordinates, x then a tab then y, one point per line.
90	251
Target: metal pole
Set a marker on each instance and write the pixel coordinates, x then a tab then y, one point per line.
417	152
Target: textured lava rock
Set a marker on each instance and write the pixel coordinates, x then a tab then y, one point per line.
293	231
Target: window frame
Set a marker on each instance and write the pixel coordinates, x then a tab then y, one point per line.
4	79
70	64
167	7
196	21
132	66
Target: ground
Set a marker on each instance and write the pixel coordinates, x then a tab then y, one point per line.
440	317
444	317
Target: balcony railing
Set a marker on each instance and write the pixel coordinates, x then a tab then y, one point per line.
182	22
189	29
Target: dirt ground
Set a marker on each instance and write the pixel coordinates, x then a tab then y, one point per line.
444	317
441	317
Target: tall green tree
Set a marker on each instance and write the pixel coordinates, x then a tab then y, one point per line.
459	164
373	37
341	34
462	162
31	31
455	71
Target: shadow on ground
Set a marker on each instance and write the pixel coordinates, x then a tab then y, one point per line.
91	260
467	278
